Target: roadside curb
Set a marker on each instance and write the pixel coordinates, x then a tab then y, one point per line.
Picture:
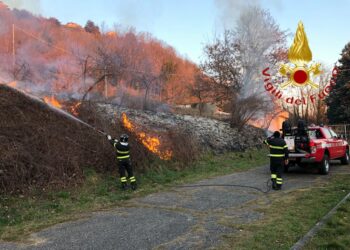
306	238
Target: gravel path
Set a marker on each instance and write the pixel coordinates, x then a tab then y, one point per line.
182	218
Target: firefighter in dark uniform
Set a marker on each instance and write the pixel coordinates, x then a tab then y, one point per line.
278	157
123	157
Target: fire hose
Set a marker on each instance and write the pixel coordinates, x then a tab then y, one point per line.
268	186
77	120
61	111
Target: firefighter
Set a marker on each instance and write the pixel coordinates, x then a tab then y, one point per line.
286	128
278	157
123	157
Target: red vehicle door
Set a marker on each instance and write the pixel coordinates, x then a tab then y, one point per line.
331	143
340	149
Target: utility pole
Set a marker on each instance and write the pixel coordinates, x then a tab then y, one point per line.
106	90
13	50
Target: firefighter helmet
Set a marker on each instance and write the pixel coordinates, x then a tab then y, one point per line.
124	138
286	128
277	134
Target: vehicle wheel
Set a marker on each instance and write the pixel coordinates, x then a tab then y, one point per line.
345	160
324	165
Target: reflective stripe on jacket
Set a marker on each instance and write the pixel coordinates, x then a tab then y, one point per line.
278	147
123	150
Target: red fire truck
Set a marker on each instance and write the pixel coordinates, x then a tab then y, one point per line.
314	146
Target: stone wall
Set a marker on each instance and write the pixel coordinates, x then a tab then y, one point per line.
210	133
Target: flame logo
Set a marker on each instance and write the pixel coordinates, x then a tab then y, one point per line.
299	52
300	55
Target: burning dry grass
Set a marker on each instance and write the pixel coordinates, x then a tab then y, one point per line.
147	146
52	101
152	143
41	148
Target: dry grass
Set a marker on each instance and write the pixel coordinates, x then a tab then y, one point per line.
41	148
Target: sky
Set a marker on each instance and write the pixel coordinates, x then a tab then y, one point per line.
188	25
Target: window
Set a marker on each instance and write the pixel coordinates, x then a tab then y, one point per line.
318	134
312	134
334	135
326	133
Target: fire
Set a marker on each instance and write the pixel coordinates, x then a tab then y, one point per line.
126	123
12	84
271	122
74	108
151	143
111	33
52	101
276	123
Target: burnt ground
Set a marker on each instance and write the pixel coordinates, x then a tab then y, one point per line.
181	218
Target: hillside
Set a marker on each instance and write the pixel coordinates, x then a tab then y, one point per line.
39	146
68	59
42	147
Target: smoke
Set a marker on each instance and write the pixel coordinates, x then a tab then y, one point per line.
141	14
33	6
230	10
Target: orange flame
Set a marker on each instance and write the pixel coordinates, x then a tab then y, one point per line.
52	101
274	122
151	143
12	84
74	109
126	123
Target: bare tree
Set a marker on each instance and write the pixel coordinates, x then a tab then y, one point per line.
202	89
261	43
223	66
235	62
21	71
314	108
106	62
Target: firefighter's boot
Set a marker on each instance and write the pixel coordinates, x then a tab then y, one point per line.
124	186
133	183
123	183
278	183
273	180
274	184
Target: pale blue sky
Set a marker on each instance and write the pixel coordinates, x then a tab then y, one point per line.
188	24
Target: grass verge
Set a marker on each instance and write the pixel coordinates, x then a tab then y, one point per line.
22	215
292	214
335	233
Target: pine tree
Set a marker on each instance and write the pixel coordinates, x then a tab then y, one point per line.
338	101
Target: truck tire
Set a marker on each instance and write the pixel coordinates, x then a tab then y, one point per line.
345	160
324	165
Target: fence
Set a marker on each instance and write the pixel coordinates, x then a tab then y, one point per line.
343	129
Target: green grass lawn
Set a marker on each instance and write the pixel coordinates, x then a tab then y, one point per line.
22	215
335	234
292	214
